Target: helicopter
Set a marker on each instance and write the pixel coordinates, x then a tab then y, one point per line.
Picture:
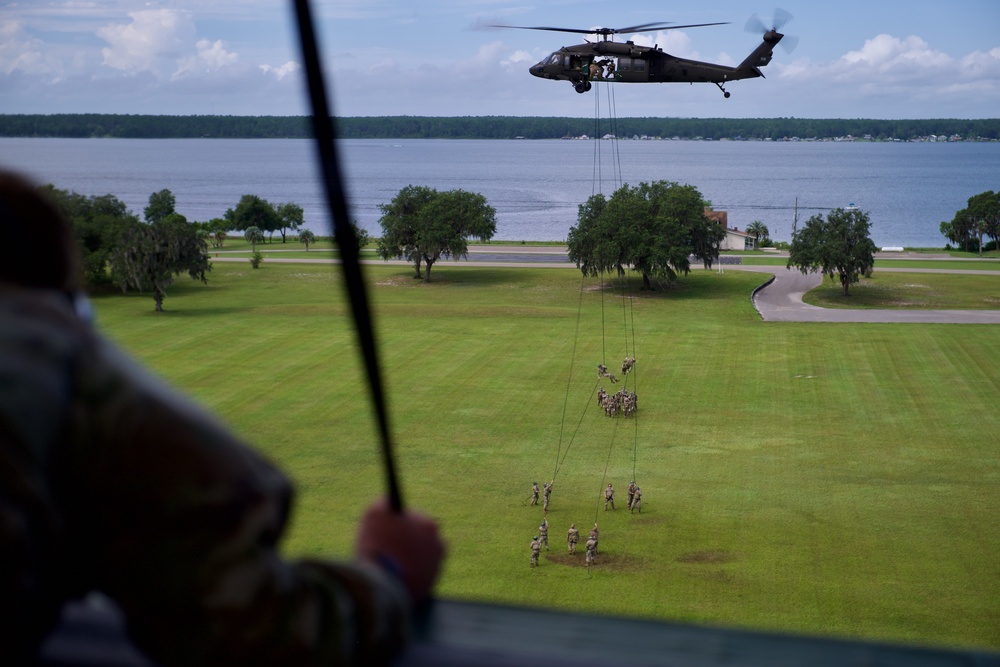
628	62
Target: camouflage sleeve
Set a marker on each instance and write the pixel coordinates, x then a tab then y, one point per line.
183	522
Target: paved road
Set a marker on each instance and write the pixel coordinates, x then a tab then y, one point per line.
781	301
777	301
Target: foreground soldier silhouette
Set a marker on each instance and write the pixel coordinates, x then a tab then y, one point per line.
111	482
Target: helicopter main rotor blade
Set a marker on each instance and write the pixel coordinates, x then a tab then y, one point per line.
531	27
653	26
658	25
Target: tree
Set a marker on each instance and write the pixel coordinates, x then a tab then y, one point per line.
838	245
307	237
150	255
984	215
217	229
161	205
653	228
290	216
757	230
252	211
399	224
424	225
360	235
253	235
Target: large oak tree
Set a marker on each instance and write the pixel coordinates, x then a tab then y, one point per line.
839	246
653	228
423	225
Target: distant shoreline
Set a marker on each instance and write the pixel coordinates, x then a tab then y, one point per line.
129	126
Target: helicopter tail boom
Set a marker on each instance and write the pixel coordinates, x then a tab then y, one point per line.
760	56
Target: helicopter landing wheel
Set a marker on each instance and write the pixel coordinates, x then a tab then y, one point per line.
725	94
582	87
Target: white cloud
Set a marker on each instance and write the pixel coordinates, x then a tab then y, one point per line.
153	38
211	57
282	71
23	54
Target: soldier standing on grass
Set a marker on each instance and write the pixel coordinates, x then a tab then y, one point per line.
631	492
572	537
536	549
593	536
591	551
546	492
609	497
543	533
534	493
637	501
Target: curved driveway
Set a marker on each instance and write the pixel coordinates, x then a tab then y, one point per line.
780	300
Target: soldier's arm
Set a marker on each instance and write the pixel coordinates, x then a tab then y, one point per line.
186	522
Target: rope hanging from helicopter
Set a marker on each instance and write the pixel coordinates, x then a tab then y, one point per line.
621	401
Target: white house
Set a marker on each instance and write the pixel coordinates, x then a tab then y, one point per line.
735	239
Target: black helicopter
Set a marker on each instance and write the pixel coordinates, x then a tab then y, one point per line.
627	62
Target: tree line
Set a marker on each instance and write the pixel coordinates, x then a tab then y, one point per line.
118	248
127	126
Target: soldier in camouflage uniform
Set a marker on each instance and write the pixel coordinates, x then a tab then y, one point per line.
534	493
609	497
572	537
536	550
546	492
631	492
543	533
111	481
594	536
591	551
637	501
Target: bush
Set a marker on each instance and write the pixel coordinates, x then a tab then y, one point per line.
256	259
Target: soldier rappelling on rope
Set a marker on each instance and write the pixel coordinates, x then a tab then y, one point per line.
546	492
627	365
602	372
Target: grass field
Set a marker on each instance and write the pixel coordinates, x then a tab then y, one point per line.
832	479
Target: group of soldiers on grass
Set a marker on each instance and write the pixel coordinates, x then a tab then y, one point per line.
623	401
573	534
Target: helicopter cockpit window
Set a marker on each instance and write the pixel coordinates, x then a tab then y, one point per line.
555	59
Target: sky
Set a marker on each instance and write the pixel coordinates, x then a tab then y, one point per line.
853	59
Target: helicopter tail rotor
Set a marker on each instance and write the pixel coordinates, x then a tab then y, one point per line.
781	17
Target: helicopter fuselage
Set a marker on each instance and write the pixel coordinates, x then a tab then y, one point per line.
627	62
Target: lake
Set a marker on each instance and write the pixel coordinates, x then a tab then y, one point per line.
536	186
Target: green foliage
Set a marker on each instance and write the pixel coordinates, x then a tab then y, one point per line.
759	231
98	222
290	215
256	259
839	245
423	225
254	211
161	205
307	237
253	235
653	228
148	256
